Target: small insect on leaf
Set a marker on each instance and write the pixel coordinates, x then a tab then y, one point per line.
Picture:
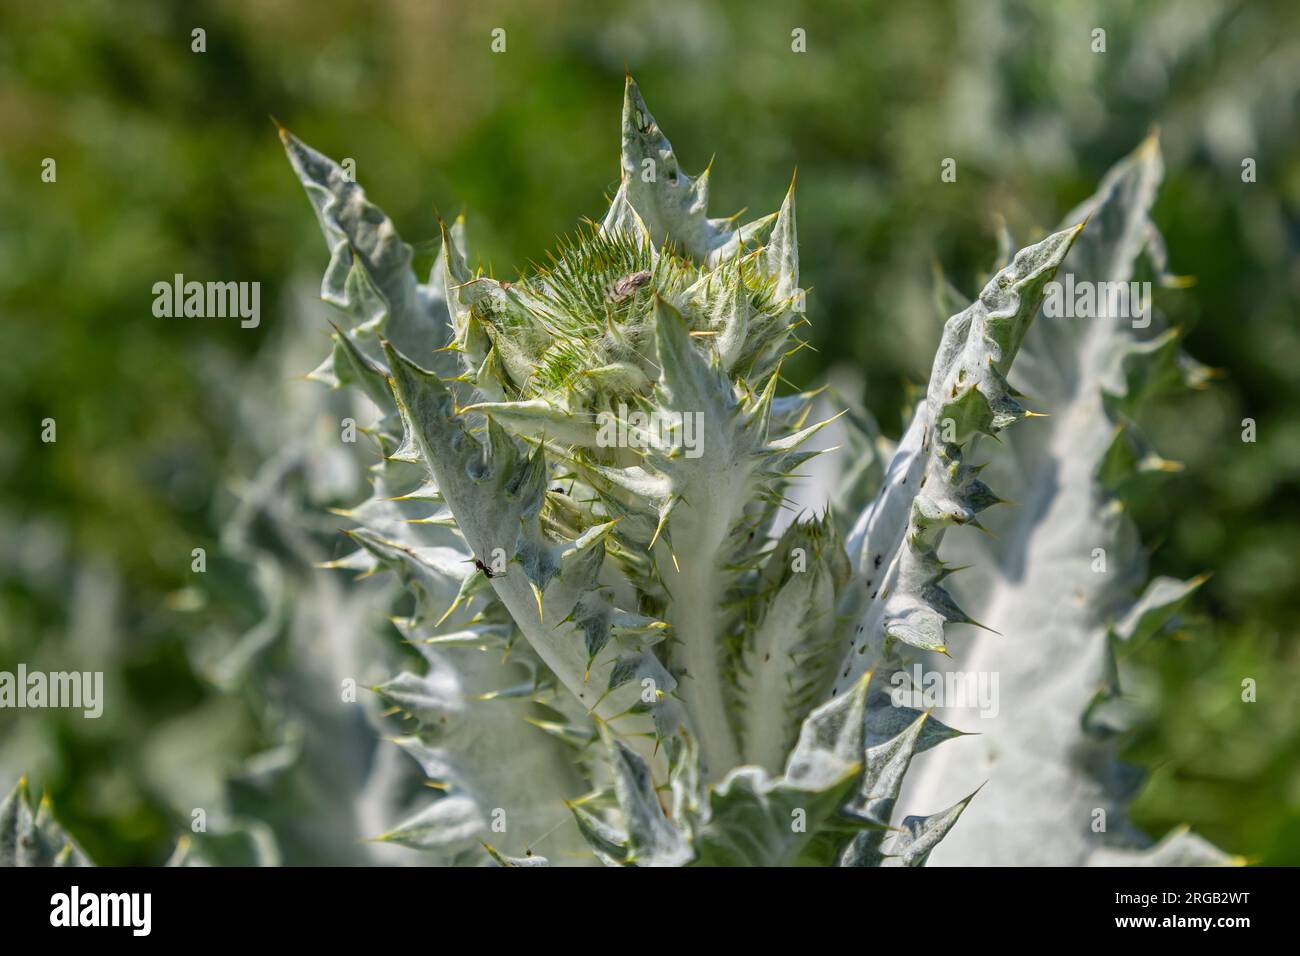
628	284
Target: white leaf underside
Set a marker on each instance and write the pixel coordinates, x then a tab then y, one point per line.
1033	580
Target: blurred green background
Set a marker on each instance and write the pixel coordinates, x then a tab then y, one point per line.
167	162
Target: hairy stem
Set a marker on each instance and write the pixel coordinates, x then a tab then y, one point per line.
695	585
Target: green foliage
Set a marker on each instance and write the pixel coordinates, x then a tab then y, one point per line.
165	165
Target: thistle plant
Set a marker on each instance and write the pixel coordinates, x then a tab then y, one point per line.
33	837
583	478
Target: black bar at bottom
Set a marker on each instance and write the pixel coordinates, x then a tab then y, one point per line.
424	906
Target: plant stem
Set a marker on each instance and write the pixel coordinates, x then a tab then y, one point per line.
695	587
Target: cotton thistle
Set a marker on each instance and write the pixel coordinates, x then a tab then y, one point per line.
30	838
636	600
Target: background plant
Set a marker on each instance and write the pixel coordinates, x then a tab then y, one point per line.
1011	90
